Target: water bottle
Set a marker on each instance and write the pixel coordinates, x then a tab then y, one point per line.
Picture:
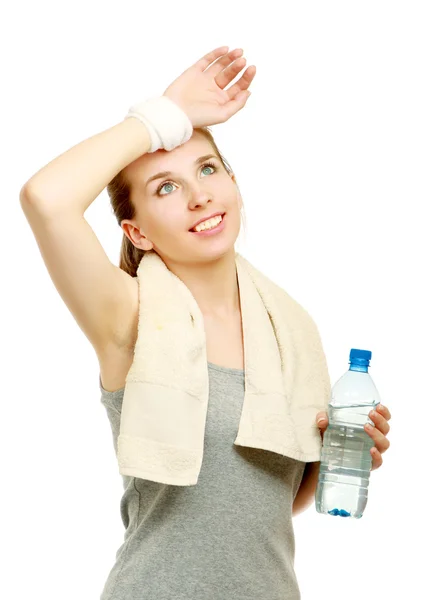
346	461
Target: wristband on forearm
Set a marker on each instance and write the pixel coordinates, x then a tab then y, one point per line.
168	125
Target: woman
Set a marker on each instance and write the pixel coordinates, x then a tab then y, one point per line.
230	535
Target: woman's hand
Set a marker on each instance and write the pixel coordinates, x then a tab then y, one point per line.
377	433
199	91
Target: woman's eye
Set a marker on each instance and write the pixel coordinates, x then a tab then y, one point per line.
208	167
161	187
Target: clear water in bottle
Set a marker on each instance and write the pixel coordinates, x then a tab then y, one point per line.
346	461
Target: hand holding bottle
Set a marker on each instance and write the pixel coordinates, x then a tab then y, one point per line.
377	433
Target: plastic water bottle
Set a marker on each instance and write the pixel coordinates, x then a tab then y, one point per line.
346	461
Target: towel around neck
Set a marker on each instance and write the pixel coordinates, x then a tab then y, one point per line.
167	387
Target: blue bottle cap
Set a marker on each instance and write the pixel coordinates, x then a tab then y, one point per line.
360	357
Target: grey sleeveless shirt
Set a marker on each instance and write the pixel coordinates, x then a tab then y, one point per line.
229	536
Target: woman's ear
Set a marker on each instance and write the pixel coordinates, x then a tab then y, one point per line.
135	236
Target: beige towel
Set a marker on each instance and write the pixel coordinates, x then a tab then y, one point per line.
167	387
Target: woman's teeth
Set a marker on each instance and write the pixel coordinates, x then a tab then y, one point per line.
210	224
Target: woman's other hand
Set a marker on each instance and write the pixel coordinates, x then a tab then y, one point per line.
378	432
199	91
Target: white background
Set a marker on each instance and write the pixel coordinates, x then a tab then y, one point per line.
336	154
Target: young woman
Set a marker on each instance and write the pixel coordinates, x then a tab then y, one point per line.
231	535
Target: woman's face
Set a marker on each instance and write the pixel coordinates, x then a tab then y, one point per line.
169	206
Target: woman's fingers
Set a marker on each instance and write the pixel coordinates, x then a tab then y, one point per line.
242	83
208	58
227	75
200	92
224	67
223	62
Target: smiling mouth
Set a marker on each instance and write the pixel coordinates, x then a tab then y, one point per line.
194	231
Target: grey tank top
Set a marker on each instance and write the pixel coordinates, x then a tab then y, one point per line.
229	536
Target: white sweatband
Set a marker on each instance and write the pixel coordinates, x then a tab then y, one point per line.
168	125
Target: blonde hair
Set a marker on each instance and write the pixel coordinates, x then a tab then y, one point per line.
119	192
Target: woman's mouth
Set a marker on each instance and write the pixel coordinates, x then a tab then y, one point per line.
213	230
